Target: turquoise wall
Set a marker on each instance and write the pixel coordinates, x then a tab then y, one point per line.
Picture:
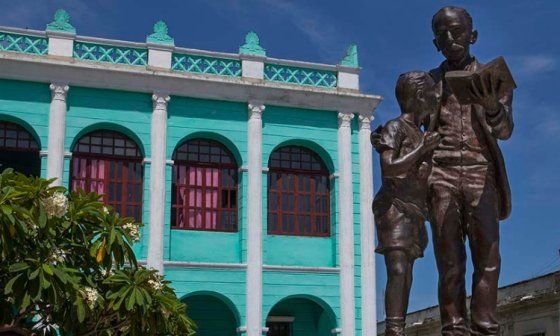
225	122
27	104
316	130
130	113
126	112
228	284
279	285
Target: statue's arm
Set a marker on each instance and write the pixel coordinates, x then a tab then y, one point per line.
501	123
393	166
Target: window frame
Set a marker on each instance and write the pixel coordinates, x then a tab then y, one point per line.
125	179
220	167
296	174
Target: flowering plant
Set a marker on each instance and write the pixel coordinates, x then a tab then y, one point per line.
67	267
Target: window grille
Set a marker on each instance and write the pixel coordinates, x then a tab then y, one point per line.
110	164
298	193
204	187
18	149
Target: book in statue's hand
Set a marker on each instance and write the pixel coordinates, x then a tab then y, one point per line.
495	73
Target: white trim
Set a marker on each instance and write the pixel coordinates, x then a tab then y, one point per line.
158	136
339	331
281	319
346	225
57	132
302	64
24	31
189	264
200	52
43	153
117	43
302	269
67	154
169	162
146	160
241	330
264	330
141	79
367	230
254	291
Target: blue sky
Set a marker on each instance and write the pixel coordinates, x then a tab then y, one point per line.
393	37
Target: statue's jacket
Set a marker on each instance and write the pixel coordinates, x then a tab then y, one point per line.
496	127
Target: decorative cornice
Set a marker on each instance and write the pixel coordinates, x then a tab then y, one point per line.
160	101
365	121
160	36
256	109
61	22
59	91
351	58
344	119
252	46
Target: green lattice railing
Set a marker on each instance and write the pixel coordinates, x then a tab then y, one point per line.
300	76
24	43
110	54
206	65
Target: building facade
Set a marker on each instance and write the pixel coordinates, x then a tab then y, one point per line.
527	308
252	175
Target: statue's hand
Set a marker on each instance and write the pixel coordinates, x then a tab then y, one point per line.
375	138
486	90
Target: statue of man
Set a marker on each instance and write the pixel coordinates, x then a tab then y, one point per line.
468	189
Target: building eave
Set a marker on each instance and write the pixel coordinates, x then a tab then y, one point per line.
48	69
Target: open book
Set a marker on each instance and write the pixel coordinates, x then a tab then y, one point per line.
461	82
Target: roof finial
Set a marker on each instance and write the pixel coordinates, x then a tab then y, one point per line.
61	22
351	58
252	46
159	36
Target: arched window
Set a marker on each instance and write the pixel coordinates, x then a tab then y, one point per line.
204	189
18	150
110	164
298	193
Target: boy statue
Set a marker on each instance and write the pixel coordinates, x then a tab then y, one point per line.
400	206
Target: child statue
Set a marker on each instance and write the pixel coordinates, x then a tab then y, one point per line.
400	206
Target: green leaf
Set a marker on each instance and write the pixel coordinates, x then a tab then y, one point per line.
47	269
63	277
34	274
10	283
18	267
81	310
130	301
42	218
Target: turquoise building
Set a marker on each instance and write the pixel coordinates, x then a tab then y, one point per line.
252	175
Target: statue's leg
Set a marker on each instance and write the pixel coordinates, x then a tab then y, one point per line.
481	198
399	276
449	248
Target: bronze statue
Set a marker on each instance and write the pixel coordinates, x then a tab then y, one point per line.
468	189
400	205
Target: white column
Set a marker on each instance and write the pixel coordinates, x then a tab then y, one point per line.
367	231
57	132
157	180
346	225
254	220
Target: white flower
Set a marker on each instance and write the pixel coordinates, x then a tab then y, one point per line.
56	205
108	272
58	257
156	285
133	230
90	295
105	210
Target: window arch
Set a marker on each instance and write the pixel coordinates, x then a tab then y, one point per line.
298	193
18	149
204	187
110	164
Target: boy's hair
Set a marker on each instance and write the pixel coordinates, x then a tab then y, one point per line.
409	83
461	11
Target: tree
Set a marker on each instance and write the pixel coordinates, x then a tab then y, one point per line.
67	267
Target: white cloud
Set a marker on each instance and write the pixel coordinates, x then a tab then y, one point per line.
530	65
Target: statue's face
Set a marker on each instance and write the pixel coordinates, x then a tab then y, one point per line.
453	36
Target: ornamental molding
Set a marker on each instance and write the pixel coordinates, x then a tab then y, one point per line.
160	101
351	58
256	109
344	119
59	91
61	23
365	121
160	36
252	45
